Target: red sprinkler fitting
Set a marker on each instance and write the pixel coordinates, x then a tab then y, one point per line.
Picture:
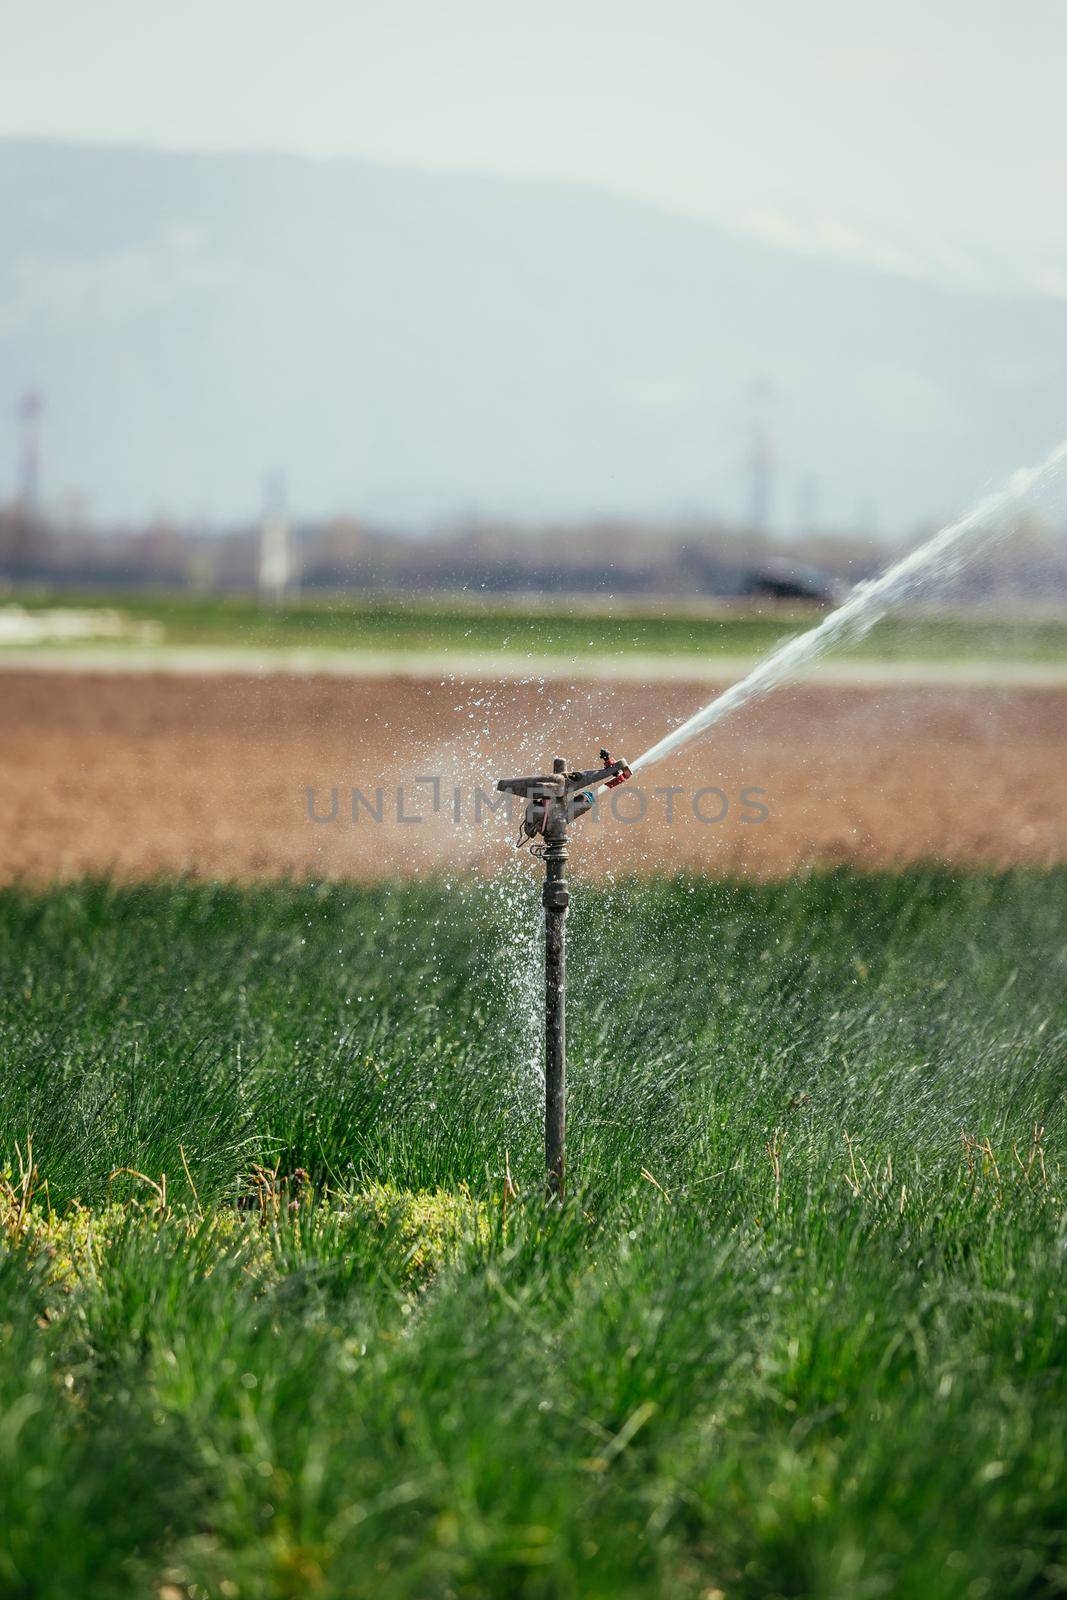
623	775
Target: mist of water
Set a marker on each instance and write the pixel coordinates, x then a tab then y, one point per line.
938	558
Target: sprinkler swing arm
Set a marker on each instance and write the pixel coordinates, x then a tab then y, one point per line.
553	801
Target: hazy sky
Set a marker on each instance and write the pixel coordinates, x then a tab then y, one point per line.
926	134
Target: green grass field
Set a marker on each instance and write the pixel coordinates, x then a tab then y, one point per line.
799	1329
460	628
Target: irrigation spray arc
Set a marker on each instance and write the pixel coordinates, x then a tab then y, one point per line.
556	799
940	556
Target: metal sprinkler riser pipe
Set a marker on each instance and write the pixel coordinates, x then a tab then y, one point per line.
553	801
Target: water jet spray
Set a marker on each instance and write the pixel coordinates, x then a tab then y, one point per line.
553	801
556	799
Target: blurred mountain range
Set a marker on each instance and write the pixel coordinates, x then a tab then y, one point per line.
411	347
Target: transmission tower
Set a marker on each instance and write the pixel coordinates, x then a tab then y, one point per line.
28	469
761	455
25	512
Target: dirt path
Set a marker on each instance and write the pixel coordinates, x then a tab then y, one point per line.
141	775
208	661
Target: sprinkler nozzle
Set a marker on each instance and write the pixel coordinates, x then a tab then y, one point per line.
623	771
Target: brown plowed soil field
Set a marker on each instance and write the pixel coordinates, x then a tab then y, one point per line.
137	776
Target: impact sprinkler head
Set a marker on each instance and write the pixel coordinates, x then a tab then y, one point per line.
553	801
557	798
